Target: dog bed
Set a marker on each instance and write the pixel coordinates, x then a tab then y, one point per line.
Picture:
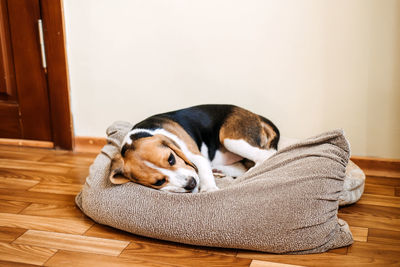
354	181
288	204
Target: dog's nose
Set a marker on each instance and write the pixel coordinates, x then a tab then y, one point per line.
191	184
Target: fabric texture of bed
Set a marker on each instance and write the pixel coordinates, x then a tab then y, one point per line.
287	204
354	181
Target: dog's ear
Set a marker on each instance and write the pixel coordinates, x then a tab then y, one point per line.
172	145
116	173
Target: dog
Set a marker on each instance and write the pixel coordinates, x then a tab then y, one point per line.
178	151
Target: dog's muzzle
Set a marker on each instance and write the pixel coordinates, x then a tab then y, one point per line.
191	184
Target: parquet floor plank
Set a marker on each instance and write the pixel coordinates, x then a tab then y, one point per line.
9	234
371	216
79	172
72	226
37	175
16	264
180	256
379	180
103	231
342	251
256	263
78	259
71	242
380	200
381	190
57	188
24	253
70	158
382	173
324	259
379	236
11	206
4	154
20	184
36	197
33	150
371	222
371	211
376	251
49	157
34	165
49	210
359	233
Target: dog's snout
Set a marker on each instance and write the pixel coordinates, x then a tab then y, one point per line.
191	184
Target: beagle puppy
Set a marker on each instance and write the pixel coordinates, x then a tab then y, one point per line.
178	151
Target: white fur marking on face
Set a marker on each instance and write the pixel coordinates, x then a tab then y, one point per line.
248	151
128	140
177	179
181	144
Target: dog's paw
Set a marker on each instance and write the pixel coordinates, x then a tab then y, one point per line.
206	189
219	174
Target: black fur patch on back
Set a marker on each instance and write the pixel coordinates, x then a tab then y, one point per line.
139	135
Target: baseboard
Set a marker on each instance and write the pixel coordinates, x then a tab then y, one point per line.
26	143
89	144
378	166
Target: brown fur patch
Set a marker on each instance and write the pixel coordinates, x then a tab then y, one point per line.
245	125
269	131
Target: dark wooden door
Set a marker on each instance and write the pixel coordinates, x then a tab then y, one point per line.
24	97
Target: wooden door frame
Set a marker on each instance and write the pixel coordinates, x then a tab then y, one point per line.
52	14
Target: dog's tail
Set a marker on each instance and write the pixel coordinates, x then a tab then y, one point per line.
272	133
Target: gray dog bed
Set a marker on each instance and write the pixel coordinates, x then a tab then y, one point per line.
288	204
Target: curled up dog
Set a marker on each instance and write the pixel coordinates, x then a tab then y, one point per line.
178	151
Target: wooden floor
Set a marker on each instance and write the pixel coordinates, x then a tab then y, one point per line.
40	225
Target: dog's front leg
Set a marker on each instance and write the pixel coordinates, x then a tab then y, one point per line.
207	181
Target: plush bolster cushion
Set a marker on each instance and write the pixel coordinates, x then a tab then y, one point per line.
288	204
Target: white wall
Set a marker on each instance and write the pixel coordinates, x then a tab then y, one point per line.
308	65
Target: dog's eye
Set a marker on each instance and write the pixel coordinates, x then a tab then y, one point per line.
160	182
171	160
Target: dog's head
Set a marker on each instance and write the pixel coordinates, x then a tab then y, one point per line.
155	161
